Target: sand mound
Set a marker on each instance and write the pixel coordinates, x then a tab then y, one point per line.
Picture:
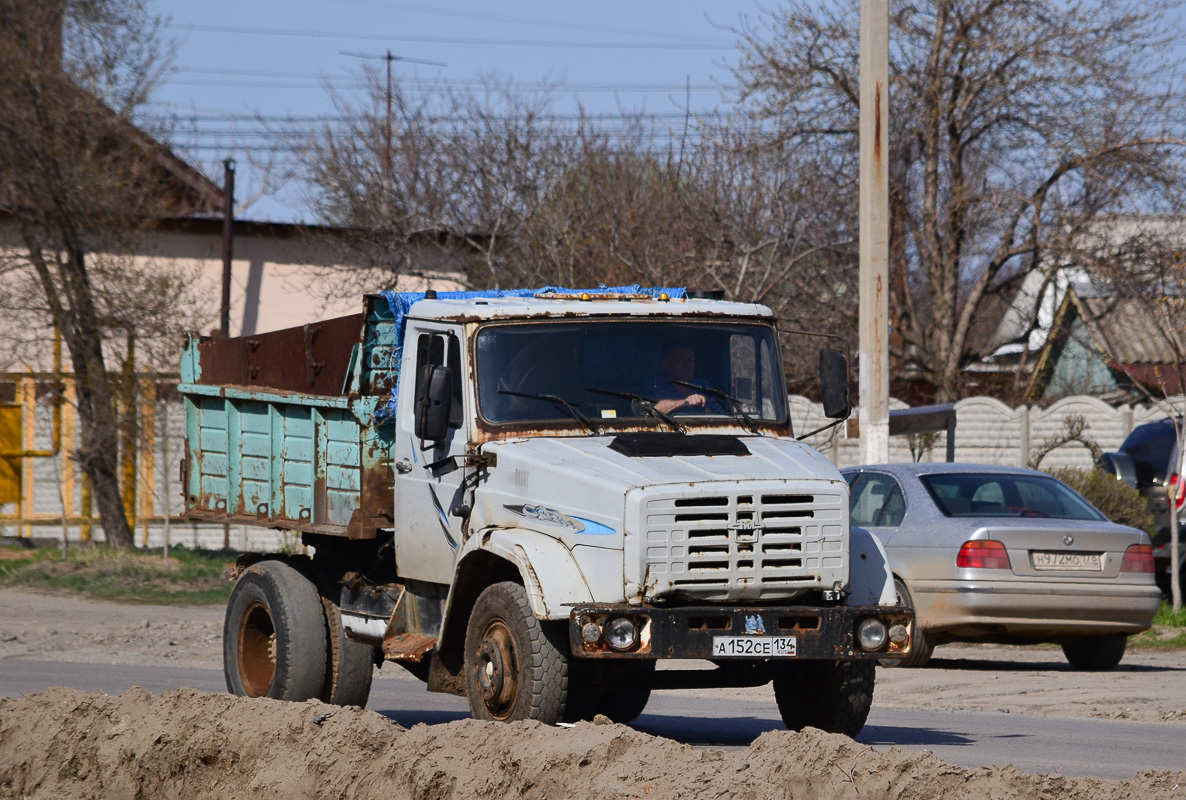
66	743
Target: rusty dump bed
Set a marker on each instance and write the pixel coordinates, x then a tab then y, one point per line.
280	428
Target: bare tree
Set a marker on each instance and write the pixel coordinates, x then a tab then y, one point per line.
439	186
79	183
1138	323
518	196
1013	124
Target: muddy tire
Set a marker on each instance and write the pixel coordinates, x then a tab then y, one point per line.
582	697
274	637
623	705
349	664
582	703
834	696
922	646
1096	653
515	666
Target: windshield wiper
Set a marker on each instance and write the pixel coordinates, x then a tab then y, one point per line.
647	404
734	404
568	406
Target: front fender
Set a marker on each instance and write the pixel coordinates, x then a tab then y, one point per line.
550	574
870	579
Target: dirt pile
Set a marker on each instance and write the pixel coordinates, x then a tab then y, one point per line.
65	743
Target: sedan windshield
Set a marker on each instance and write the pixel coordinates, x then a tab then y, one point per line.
1005	495
654	372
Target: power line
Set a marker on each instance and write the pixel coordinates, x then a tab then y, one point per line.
450	82
447	39
470	15
343	118
347	83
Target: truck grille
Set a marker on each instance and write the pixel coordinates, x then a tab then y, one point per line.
743	544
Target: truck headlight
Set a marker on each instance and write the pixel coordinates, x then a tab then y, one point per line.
621	634
590	632
871	634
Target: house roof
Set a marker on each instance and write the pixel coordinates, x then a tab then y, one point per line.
192	192
31	40
1126	333
1128	328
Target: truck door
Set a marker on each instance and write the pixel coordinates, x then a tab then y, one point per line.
428	486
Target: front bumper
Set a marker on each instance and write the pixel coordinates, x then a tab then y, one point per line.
687	632
978	608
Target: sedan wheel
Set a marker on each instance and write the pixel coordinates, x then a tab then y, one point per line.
1096	653
922	646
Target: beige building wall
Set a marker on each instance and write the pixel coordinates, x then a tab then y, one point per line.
281	276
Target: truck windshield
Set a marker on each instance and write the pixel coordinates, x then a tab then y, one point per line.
611	370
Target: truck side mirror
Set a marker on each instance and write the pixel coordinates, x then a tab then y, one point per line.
434	404
833	378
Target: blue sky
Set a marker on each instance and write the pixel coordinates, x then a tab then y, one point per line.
237	61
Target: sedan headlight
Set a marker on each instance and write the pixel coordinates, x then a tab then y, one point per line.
871	634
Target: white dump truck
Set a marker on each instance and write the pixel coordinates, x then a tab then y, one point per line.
549	502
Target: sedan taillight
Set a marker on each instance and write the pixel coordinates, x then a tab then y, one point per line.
986	554
1137	558
1179	488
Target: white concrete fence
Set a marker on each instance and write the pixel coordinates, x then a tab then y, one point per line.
987	432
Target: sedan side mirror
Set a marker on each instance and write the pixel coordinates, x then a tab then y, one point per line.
833	378
434	404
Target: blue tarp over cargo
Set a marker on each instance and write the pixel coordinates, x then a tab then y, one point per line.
401	303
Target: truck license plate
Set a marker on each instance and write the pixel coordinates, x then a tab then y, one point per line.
754	646
1084	562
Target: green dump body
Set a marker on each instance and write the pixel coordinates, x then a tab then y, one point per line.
280	428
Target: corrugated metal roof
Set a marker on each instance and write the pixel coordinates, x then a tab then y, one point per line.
1132	330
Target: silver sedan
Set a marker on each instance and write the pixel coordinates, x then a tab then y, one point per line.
1007	555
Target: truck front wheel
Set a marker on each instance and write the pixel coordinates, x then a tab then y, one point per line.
834	696
624	705
273	640
515	666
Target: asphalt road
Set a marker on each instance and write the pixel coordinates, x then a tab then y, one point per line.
1034	744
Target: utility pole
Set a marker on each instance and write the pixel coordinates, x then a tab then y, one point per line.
228	231
228	247
387	137
389	57
873	366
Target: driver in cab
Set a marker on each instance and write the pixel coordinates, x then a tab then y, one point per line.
674	391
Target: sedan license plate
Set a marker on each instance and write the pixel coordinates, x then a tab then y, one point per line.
1080	562
754	646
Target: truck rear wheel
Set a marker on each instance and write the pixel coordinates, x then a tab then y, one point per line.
349	664
273	640
834	696
515	666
